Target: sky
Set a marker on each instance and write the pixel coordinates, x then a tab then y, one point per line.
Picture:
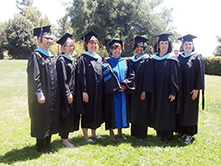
200	18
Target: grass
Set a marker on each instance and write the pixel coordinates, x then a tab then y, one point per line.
17	147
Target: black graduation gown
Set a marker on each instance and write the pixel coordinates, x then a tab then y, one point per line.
89	78
192	68
110	122
69	120
42	77
166	82
140	109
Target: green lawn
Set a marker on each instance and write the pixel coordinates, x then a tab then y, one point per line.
17	147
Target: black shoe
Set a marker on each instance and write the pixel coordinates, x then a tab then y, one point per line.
188	140
182	137
48	149
166	138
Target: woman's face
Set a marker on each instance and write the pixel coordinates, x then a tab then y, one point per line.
188	46
164	45
69	47
92	46
116	50
139	48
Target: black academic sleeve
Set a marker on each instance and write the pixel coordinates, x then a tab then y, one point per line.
81	85
200	84
33	68
148	81
64	87
129	82
62	74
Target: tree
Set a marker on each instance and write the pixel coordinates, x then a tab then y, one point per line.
23	3
19	32
2	38
19	38
64	26
218	48
32	15
119	19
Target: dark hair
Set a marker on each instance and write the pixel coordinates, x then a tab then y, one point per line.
85	46
157	50
135	46
114	46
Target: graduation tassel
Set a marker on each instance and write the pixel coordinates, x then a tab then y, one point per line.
203	99
157	45
181	47
84	44
58	50
41	34
133	42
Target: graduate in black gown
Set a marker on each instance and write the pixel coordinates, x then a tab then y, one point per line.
140	100
192	69
166	88
43	99
65	65
90	87
116	104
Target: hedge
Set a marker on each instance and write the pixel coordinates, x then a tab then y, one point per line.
212	65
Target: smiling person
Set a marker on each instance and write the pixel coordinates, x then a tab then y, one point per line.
166	88
116	104
192	69
43	97
89	87
140	100
65	65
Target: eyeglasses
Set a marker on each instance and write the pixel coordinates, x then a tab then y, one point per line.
93	42
48	38
70	46
116	47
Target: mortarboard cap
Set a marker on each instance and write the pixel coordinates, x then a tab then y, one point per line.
89	36
187	38
138	39
164	37
42	30
64	38
116	41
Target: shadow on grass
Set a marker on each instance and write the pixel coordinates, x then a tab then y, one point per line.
26	153
153	141
150	141
30	153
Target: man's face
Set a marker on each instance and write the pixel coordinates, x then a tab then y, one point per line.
46	41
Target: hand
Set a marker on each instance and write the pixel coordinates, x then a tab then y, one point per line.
123	87
194	94
85	97
143	96
171	97
41	99
70	98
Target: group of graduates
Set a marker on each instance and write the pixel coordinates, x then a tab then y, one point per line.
159	91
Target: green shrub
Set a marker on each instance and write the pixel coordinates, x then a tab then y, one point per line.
1	56
213	65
